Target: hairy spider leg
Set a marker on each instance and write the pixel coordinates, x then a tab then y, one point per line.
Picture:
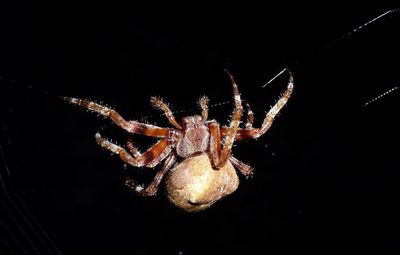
220	158
242	167
252	133
151	190
270	116
159	104
130	126
203	103
132	148
215	142
215	150
152	157
250	116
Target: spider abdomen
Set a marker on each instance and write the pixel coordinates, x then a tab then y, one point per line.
194	185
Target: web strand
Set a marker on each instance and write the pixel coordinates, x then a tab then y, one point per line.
332	43
20	215
381	96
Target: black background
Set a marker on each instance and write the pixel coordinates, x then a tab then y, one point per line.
327	172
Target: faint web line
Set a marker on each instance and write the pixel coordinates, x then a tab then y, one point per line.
144	118
381	95
193	109
330	44
12	236
17	208
3	157
276	76
17	223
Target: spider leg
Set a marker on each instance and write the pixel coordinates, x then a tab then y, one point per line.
215	142
151	190
158	103
235	121
250	117
130	126
251	133
132	148
220	159
270	116
203	103
242	167
150	158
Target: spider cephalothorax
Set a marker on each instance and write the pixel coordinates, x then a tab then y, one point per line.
198	167
195	136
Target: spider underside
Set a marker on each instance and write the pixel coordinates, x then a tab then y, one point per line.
195	153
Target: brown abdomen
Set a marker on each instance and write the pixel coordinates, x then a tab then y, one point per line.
194	185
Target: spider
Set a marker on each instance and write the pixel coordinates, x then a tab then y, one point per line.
198	167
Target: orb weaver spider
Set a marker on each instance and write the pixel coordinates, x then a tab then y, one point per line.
196	152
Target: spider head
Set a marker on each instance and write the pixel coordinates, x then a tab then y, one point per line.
195	136
191	121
